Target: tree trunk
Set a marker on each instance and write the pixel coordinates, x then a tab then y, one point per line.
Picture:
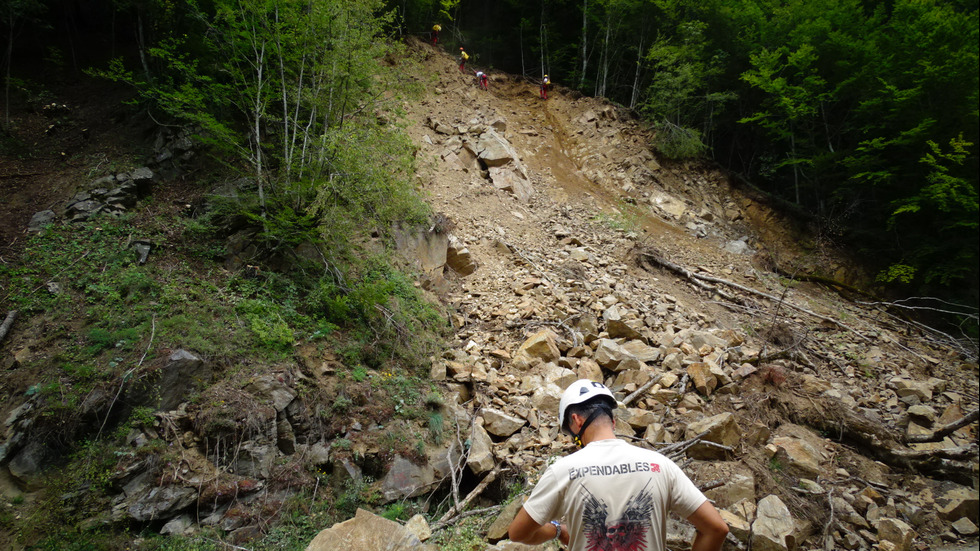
796	170
635	96
585	27
544	41
141	45
6	86
520	34
605	57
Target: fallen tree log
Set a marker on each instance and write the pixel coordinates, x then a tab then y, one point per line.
699	279
874	439
7	323
456	510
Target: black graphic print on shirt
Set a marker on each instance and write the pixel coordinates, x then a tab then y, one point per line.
627	533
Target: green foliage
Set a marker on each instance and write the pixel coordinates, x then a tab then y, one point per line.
266	322
675	142
358	373
397	511
775	464
436	426
465	535
377	296
947	203
902	273
679	92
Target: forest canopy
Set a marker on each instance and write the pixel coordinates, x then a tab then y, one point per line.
861	113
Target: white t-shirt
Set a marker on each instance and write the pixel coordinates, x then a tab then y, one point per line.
613	495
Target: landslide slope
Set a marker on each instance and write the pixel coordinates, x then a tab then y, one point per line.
604	244
593	258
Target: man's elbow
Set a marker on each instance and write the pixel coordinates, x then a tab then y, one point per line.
720	530
715	531
519	535
521	528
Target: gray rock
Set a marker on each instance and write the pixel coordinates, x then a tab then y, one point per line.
30	460
41	220
406	479
272	388
164	388
965	527
159	503
738	247
177	526
253	459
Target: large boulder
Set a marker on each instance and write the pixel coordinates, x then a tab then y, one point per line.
501	424
540	347
155	503
165	387
509	179
368	532
494	150
774	528
721	429
799	450
480	459
897	532
955	501
738	479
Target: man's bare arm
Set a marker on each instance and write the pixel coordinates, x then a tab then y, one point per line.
711	528
523	529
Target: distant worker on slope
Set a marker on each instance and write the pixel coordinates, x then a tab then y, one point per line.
463	56
435	33
482	80
545	83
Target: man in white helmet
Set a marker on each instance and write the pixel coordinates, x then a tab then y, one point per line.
613	496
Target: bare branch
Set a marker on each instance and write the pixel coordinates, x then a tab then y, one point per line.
945	431
454	510
638	392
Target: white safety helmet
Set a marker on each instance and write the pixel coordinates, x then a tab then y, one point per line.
579	392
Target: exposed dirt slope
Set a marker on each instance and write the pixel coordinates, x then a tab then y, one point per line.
601	199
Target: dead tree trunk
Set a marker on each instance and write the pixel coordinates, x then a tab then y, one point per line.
7	323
